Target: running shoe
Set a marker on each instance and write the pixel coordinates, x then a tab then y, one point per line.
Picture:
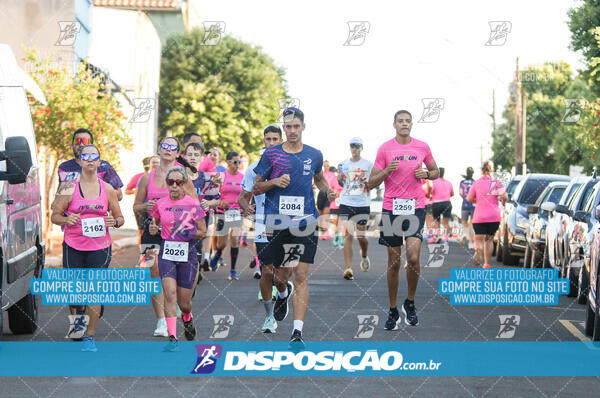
365	264
214	264
431	240
280	309
410	313
471	245
348	275
341	242
393	319
173	345
257	273
463	240
252	263
89	344
189	330
205	265
233	276
243	240
273	294
200	277
161	328
487	266
296	342
325	236
445	238
336	240
270	325
477	258
222	262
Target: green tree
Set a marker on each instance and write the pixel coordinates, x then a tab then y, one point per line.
583	20
227	92
73	102
551	144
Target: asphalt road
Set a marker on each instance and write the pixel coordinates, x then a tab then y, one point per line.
334	306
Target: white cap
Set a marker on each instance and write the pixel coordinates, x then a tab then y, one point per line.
356	140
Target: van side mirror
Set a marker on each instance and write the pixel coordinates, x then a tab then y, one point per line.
548	206
581	216
18	160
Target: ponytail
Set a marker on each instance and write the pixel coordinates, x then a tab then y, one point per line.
185	163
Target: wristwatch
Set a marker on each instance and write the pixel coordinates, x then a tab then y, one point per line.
116	223
428	174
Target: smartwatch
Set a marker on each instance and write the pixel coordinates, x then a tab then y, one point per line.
428	174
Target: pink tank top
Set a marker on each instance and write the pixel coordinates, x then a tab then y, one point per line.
231	188
90	232
154	192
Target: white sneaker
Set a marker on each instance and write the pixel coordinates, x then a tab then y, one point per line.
270	325
161	328
257	273
471	245
365	264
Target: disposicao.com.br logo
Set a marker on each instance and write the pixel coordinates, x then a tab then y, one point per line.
329	362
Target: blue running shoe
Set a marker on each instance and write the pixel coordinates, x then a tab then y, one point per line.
89	344
214	264
233	276
173	345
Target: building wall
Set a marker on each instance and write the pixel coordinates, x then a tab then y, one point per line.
126	45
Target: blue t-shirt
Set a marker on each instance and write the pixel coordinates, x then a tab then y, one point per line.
259	224
465	186
199	185
297	200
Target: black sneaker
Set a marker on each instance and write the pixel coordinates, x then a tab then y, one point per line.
296	342
280	309
205	265
392	321
252	263
189	330
410	313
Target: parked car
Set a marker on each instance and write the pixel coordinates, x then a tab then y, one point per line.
515	219
592	319
535	235
21	245
569	266
579	243
554	230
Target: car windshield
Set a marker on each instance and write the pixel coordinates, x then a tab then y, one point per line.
531	191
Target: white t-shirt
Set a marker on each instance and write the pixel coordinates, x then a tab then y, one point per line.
355	192
247	185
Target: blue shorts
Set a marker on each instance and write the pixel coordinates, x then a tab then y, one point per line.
184	272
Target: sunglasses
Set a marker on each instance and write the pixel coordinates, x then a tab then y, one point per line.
355	146
82	141
171	182
89	157
171	147
234	161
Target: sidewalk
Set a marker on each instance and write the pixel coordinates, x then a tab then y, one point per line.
121	238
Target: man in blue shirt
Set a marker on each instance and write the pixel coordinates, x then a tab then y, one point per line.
285	173
272	136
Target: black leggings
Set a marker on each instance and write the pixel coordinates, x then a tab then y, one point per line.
73	258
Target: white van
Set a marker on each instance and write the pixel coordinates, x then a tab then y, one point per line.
22	249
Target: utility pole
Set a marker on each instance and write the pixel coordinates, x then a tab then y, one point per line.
518	144
493	116
524	135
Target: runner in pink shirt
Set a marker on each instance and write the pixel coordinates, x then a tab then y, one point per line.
485	193
399	165
229	214
182	220
427	190
441	194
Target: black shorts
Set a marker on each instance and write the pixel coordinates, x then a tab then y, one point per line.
285	248
428	209
334	211
465	213
263	252
393	237
442	208
322	201
73	258
485	228
358	214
